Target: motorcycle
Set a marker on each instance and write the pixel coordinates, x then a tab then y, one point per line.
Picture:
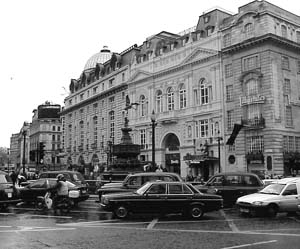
63	204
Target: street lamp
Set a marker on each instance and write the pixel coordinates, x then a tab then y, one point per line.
153	124
219	138
24	142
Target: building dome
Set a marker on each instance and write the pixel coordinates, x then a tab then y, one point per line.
101	57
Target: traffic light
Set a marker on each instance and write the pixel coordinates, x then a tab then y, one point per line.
42	150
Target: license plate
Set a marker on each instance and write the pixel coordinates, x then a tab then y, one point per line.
83	191
8	191
9	195
244	210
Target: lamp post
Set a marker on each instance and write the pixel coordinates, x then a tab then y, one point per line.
24	144
153	124
219	138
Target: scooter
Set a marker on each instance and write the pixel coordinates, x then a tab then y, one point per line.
63	204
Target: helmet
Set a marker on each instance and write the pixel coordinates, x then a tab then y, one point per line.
60	177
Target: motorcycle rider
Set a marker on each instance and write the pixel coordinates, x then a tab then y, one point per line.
62	190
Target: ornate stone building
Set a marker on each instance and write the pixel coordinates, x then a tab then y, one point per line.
94	111
261	68
229	69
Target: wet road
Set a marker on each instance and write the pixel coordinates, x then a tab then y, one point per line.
87	226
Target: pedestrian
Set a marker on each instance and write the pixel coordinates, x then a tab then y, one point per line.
189	177
14	177
159	169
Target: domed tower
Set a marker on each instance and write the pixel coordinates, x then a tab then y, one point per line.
101	57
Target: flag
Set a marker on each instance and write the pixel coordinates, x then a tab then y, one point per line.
235	132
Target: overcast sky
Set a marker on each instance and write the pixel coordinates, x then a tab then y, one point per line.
46	43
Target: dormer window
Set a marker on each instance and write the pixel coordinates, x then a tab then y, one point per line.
206	19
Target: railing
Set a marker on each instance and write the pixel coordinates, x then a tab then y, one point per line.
258	122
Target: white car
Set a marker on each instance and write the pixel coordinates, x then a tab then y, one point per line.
280	196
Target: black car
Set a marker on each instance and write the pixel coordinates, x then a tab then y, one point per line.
71	176
133	181
162	198
40	187
232	185
8	192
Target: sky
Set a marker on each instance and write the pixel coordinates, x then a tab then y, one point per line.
46	43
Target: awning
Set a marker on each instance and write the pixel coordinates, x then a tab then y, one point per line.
197	159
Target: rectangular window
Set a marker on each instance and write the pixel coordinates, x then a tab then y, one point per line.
143	138
81	96
297	144
229	92
285	63
111	82
285	144
204	128
255	144
229	120
228	70
53	128
95	90
251	62
298	66
288	116
123	77
287	86
291	143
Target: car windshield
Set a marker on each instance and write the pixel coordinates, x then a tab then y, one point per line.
142	189
273	188
5	179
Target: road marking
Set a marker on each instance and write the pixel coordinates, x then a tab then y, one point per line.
34	229
252	244
230	222
152	224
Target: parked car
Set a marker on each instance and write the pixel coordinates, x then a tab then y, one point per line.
133	181
280	196
163	198
8	192
232	185
71	176
40	187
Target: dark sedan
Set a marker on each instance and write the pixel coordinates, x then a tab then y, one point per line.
40	187
162	198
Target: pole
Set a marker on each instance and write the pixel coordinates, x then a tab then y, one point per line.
153	143
24	142
219	153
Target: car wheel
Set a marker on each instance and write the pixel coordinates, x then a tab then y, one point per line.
121	211
196	211
272	210
40	204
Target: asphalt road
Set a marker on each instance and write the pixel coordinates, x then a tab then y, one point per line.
87	226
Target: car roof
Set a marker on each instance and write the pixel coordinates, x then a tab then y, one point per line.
60	172
288	180
154	173
236	173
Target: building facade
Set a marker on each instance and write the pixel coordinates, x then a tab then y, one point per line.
94	114
45	137
230	70
261	65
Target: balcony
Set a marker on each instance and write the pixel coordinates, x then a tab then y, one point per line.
254	123
80	147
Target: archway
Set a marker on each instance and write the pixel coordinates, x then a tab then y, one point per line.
172	155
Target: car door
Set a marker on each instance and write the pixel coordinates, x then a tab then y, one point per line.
290	199
33	190
179	197
155	198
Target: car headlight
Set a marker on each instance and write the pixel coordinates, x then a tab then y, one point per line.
258	203
104	200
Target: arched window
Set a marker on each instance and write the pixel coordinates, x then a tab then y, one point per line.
159	102
283	31
251	87
203	92
143	106
249	30
182	96
170	99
